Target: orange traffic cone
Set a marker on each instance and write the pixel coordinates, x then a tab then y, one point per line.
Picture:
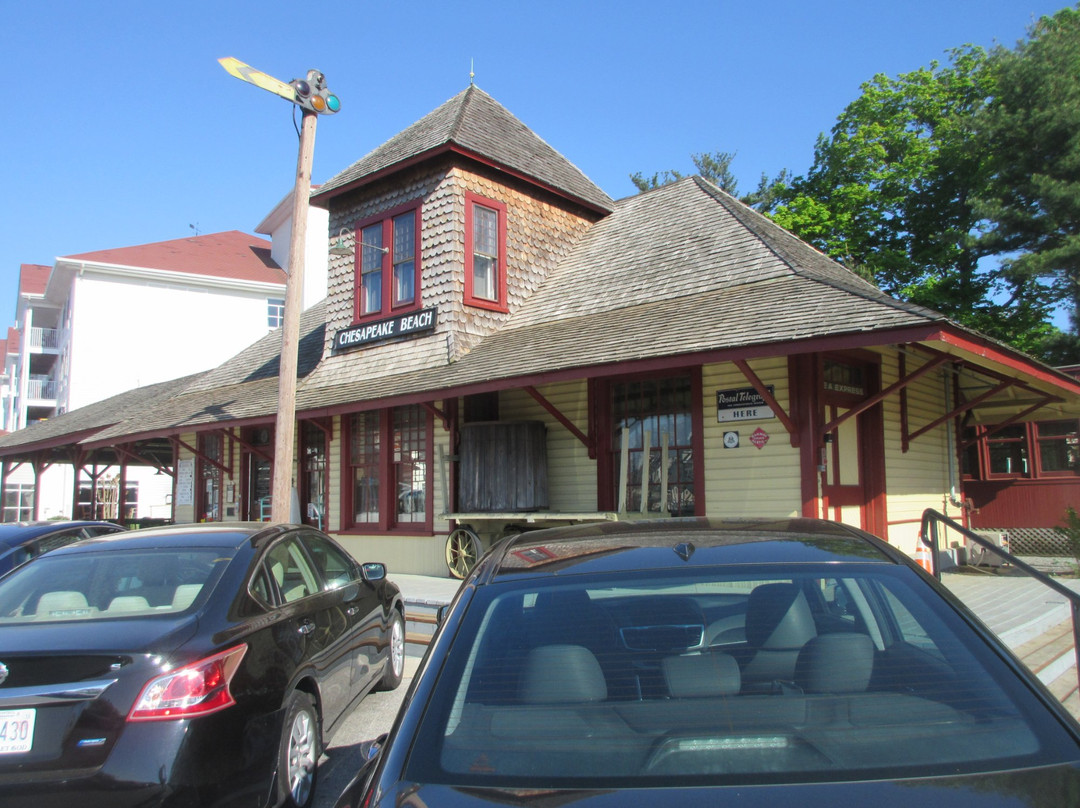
922	556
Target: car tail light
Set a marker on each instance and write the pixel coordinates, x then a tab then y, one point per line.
197	689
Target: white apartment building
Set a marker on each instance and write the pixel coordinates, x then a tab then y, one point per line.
99	323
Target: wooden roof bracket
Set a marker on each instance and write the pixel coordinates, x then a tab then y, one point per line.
41	464
220	466
122	449
770	400
908	437
991	429
321	424
898	387
255	450
562	419
440	414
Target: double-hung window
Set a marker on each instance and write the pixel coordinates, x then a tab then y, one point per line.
387	263
1059	447
485	253
388	460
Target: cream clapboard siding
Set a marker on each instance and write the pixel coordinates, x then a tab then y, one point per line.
571	472
747	481
919	478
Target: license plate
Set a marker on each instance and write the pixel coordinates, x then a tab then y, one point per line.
16	731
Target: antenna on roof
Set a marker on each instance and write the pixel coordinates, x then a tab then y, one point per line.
195	227
472	73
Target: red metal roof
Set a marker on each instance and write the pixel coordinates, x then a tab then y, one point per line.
231	254
33	278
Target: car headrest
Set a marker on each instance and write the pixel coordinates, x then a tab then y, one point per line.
701	675
562	674
835	663
128	603
778	616
60	602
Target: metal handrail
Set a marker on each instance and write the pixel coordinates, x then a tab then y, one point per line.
929	527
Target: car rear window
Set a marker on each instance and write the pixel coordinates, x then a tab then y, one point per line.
707	677
111	584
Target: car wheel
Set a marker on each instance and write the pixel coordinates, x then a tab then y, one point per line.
298	753
395	657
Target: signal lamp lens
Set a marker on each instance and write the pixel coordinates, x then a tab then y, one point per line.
303	89
318	103
200	688
333	103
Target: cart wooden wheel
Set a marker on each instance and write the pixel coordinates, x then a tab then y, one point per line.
462	551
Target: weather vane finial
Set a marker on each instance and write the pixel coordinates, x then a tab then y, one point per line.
472	73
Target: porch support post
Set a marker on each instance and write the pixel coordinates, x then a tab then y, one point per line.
804	381
37	488
77	465
121	492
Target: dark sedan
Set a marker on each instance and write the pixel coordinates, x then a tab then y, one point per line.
21	541
699	663
193	665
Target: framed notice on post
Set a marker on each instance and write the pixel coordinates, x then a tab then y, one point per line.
185	482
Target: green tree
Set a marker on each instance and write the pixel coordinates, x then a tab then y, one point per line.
891	195
1032	138
714	166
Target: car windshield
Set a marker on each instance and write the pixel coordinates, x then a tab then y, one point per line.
705	677
111	583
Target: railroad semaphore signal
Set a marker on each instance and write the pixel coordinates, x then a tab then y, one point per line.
314	99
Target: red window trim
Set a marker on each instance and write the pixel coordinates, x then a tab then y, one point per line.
600	393
500	305
387	307
1036	449
205	470
387	499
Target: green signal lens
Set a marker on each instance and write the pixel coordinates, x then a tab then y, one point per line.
333	103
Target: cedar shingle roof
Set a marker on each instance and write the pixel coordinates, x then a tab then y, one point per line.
473	122
231	254
681	270
92	417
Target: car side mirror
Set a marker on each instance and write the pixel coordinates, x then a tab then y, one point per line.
373	571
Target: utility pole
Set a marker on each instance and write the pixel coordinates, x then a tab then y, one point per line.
314	99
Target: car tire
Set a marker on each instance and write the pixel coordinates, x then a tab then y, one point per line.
394	668
298	752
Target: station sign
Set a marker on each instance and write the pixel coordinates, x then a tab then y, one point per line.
415	322
742	404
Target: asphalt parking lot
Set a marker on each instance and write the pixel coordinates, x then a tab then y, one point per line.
341	759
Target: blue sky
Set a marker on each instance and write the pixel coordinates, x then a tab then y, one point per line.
121	128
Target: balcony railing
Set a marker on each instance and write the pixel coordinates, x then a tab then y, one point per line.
41	388
44	339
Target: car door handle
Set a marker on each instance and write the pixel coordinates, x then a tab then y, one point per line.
352	611
306	627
